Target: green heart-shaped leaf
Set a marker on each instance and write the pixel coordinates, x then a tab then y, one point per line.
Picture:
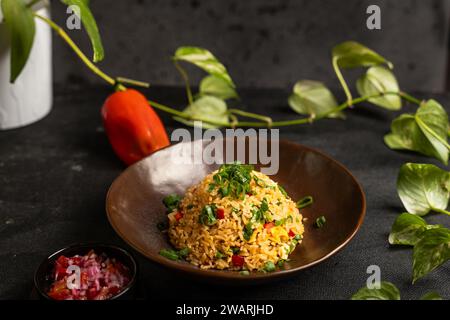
423	188
408	229
387	291
377	80
205	60
430	252
88	21
313	98
351	54
21	28
431	296
207	108
217	87
425	132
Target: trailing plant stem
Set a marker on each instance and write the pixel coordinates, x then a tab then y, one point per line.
132	82
78	51
341	79
341	107
274	124
264	120
242	113
185	116
442	211
409	98
186	81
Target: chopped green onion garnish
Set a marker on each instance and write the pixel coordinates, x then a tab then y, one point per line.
262	213
233	180
169	254
269	266
235	250
173	254
320	222
219	255
281	263
259	182
225	191
183	252
292	246
248	231
211	187
208	215
172	202
283	191
305	202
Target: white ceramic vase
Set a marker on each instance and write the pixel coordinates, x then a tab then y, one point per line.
30	98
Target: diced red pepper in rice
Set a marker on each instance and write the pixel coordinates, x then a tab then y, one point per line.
237	260
178	215
220	213
269	225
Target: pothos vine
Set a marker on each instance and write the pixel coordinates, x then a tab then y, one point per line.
119	84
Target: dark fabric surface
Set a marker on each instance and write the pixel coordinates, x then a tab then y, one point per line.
54	176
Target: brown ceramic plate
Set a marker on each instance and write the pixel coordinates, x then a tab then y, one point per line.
134	206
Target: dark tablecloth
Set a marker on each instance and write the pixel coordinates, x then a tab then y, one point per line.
54	176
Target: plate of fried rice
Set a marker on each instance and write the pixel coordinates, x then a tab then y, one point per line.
230	220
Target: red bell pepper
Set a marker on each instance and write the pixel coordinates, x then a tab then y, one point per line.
220	213
132	126
178	216
237	260
269	225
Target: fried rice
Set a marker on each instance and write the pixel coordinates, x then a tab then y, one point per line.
220	230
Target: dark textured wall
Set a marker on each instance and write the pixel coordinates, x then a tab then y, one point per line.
265	43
